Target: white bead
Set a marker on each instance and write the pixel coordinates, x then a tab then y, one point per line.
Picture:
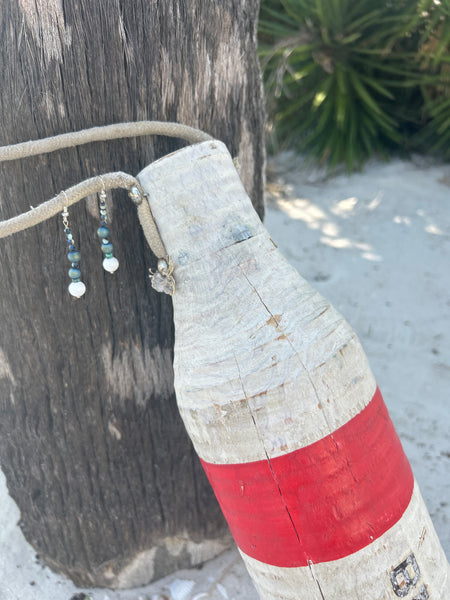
110	264
77	289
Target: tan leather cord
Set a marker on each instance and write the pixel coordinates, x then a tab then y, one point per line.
94	185
70	196
101	134
150	230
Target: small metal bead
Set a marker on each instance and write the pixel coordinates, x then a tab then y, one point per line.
162	265
135	195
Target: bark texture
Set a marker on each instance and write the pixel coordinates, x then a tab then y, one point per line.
110	490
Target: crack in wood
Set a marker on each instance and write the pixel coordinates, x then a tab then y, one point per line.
268	458
310	565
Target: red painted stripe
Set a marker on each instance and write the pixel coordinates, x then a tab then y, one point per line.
321	502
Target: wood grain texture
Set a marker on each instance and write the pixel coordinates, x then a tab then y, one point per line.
95	454
265	366
261	341
365	574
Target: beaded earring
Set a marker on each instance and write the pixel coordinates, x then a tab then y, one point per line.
110	262
77	287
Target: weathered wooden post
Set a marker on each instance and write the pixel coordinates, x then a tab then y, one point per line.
89	428
278	398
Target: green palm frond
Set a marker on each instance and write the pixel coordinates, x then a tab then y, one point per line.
344	79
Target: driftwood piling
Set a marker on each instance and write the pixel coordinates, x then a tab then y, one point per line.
278	398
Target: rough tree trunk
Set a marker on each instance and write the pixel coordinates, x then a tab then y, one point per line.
94	452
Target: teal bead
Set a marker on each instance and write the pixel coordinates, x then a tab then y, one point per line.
109	255
74	256
103	232
107	248
74	273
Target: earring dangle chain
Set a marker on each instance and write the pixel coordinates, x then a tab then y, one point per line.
77	287
110	262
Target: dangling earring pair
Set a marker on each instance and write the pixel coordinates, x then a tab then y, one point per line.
110	262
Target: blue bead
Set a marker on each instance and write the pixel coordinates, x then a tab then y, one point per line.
103	232
74	273
74	256
107	248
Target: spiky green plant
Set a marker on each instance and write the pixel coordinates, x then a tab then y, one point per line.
434	57
335	72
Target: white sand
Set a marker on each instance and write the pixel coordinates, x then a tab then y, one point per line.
377	244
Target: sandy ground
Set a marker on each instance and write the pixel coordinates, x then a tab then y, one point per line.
377	244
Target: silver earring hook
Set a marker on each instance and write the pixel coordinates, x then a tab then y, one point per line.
102	192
